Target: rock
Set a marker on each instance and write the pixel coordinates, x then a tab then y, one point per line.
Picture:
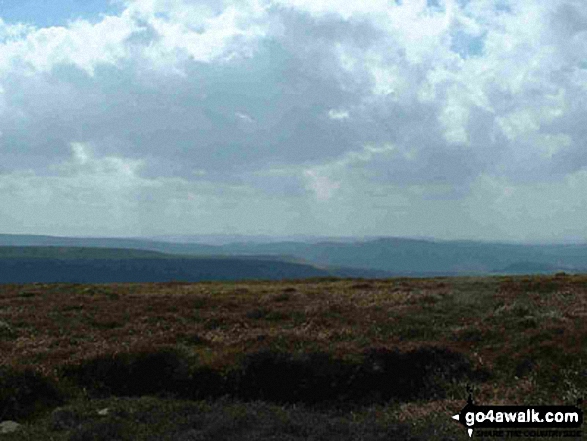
64	419
9	426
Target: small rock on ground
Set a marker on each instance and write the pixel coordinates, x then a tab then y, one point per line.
9	426
64	419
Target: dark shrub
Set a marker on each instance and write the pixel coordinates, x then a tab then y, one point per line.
283	378
135	374
7	332
23	394
362	286
314	378
145	373
257	313
100	431
383	375
192	339
420	374
205	382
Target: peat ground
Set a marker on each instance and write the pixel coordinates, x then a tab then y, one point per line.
291	360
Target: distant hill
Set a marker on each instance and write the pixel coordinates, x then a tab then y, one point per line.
75	253
427	258
383	257
104	265
19	240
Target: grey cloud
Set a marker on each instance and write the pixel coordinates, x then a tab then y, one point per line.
215	137
182	123
570	18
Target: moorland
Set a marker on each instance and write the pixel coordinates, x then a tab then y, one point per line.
313	359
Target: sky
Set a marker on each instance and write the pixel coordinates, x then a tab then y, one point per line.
452	119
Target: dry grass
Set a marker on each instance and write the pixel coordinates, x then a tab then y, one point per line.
529	333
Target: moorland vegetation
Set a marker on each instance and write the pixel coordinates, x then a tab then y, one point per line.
290	360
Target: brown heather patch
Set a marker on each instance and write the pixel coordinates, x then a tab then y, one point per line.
408	412
125	314
530	333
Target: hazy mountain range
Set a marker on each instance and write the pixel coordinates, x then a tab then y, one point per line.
27	258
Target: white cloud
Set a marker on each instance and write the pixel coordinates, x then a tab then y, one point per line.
454	119
348	9
323	187
326	179
550	145
179	27
13	31
533	211
81	44
106	195
87	194
244	117
338	114
518	123
207	109
198	30
387	79
108	170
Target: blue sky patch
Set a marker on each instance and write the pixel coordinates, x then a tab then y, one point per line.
44	13
466	45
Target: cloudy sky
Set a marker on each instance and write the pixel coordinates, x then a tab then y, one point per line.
453	119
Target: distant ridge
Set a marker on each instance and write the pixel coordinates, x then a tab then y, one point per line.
66	253
109	242
377	257
108	265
